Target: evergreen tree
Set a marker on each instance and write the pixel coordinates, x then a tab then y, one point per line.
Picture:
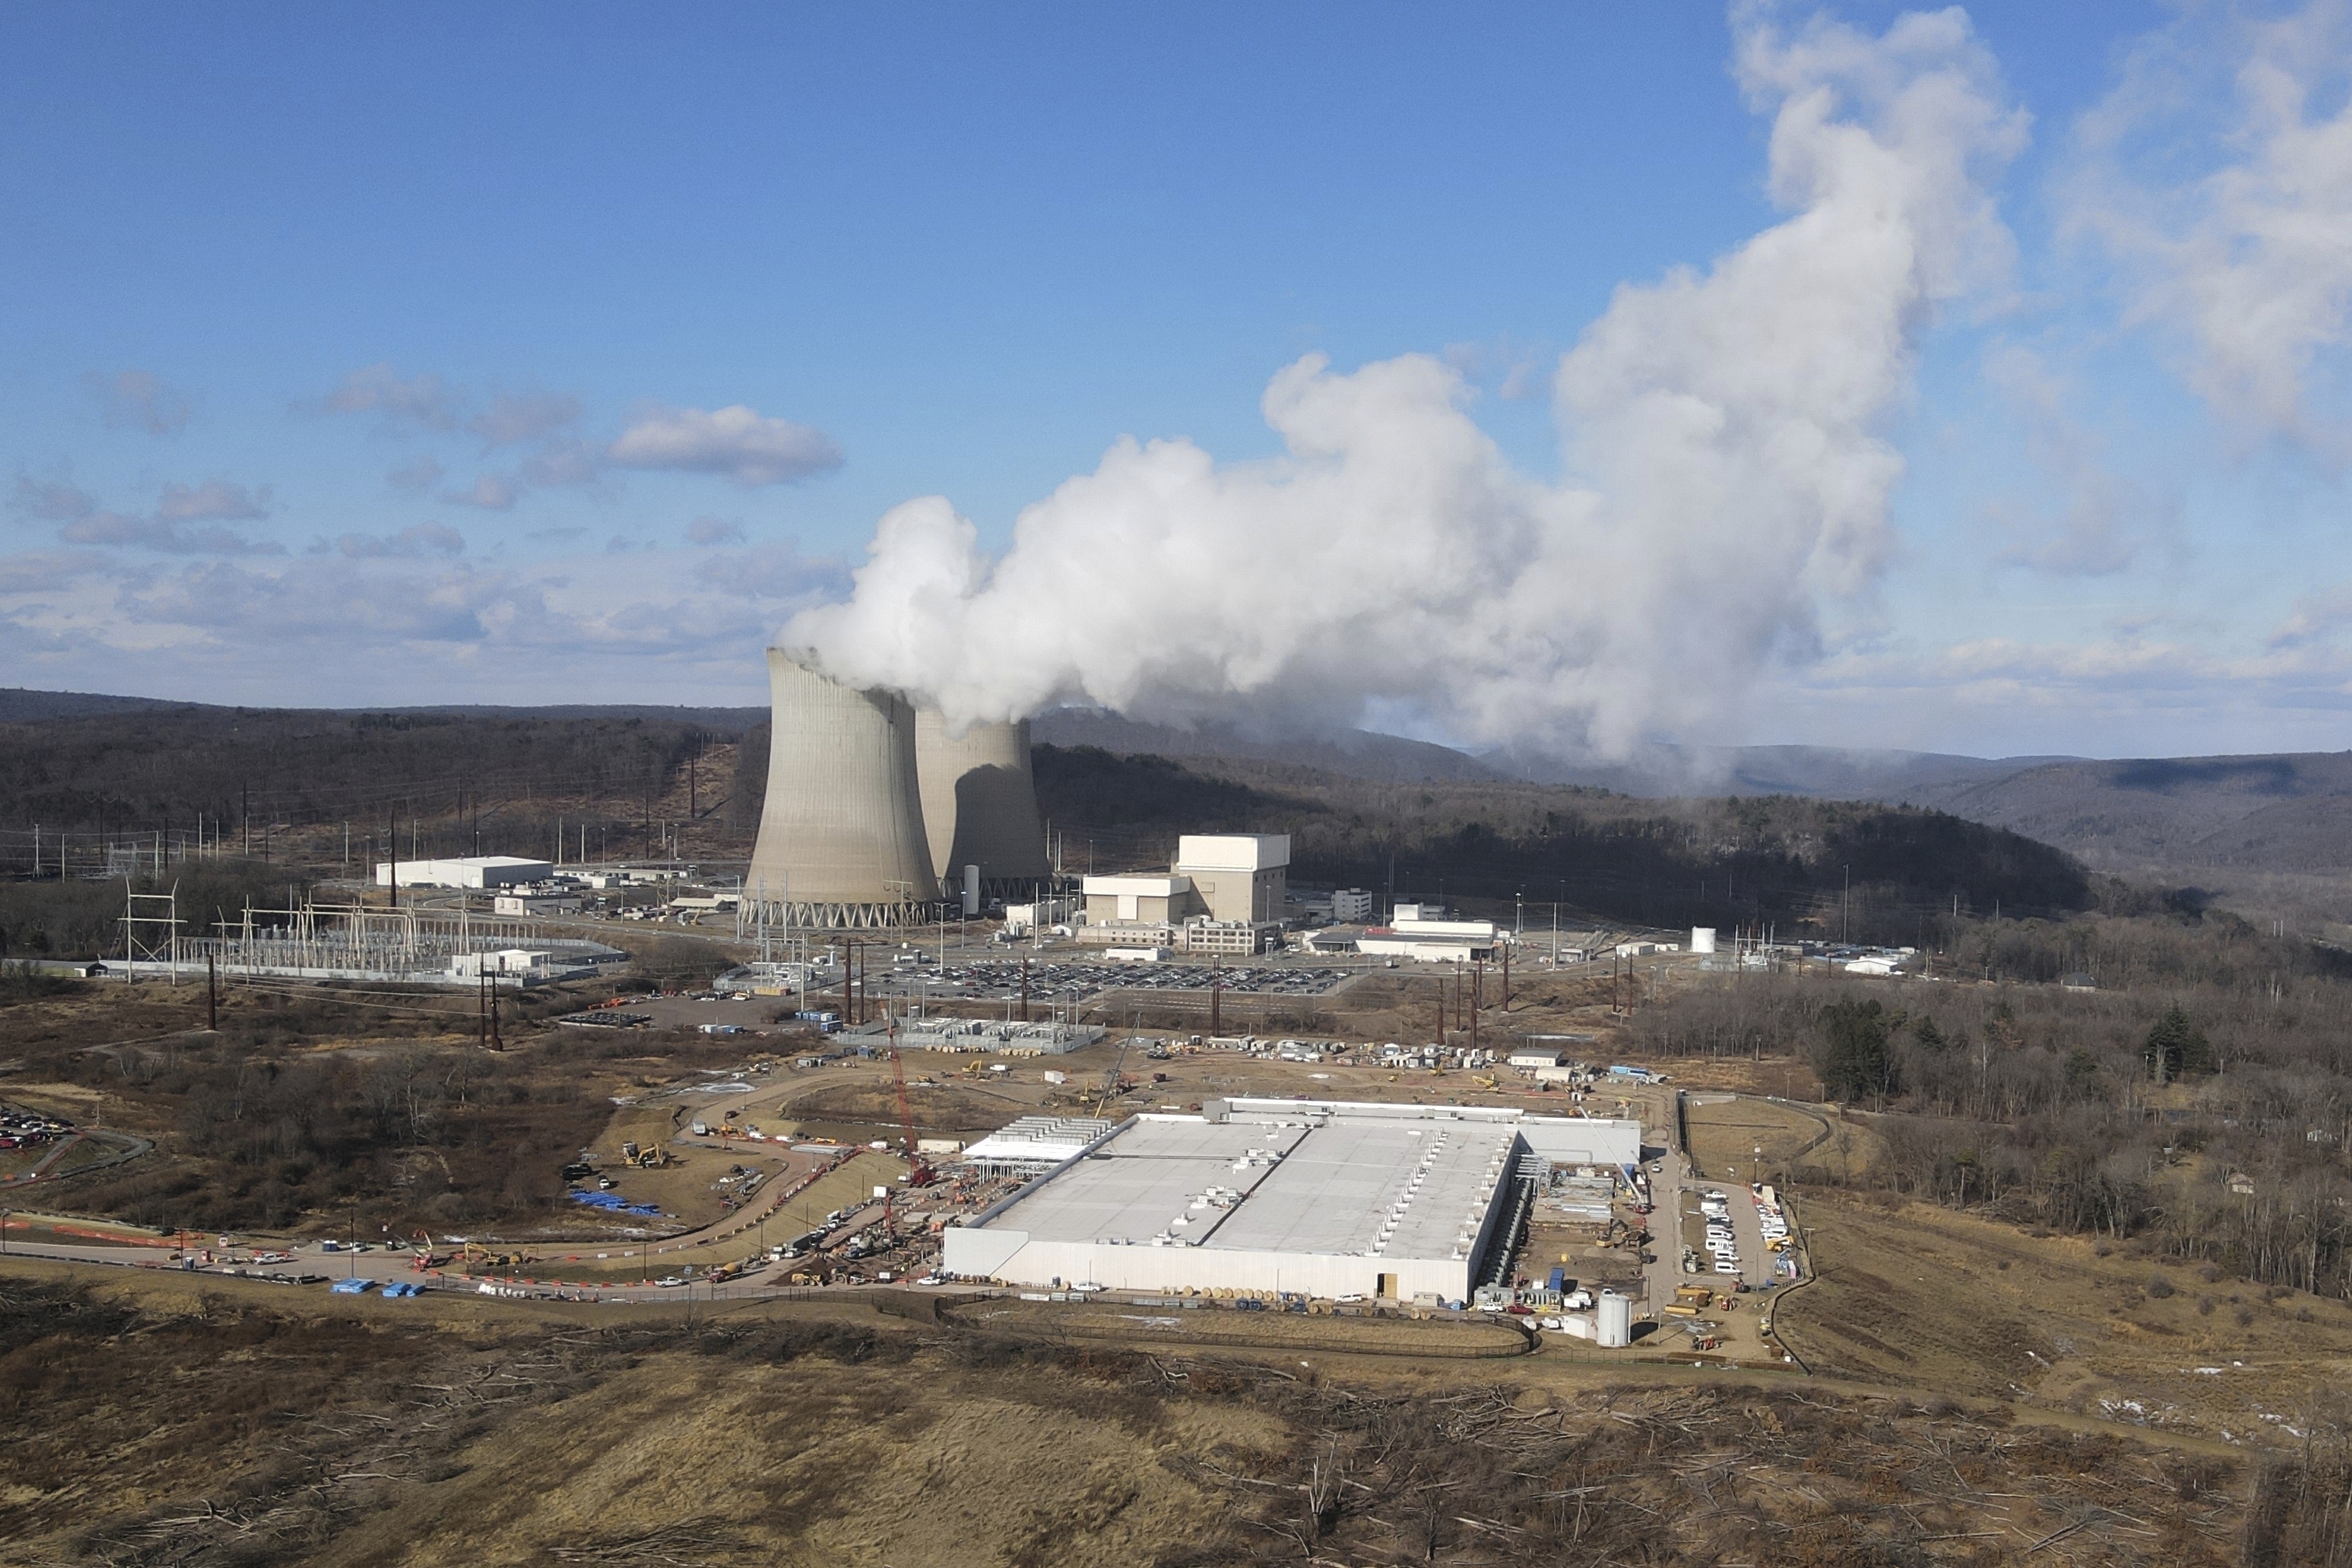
1855	1064
2176	1046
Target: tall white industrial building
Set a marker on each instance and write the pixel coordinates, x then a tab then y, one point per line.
1224	894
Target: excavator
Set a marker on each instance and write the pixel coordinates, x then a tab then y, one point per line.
480	1259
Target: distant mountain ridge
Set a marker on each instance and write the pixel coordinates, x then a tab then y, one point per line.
21	705
2274	812
1354	753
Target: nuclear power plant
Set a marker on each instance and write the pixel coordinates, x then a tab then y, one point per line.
980	806
871	806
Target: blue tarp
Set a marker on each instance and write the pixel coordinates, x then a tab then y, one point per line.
614	1203
351	1287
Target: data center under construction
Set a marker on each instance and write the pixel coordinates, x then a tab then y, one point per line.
1322	1198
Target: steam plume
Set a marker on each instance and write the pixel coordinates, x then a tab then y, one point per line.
1727	432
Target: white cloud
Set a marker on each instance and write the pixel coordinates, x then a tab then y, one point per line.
417	402
44	572
774	573
2315	618
213	500
513	419
747	446
104	527
167	530
138	400
1729	428
2244	261
423	538
51	500
489	492
2103	518
415	476
715	531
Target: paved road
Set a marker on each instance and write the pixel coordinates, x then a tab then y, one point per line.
384	1267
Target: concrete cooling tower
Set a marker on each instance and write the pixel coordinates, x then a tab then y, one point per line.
980	806
840	831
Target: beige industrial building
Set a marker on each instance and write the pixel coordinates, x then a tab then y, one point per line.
1238	876
1224	894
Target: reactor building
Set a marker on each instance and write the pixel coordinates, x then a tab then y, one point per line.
872	806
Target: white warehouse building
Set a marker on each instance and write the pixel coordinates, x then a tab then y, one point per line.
473	871
1324	1198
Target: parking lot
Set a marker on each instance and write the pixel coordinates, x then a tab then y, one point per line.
1000	979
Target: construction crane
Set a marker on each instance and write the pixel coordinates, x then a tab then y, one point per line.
918	1173
1110	1079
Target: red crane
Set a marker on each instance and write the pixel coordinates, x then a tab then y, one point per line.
918	1173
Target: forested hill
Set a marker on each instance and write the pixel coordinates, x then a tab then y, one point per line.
158	769
1722	863
689	780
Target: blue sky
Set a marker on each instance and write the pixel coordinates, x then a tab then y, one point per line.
540	354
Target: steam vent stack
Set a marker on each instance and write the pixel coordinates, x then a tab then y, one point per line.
841	832
980	806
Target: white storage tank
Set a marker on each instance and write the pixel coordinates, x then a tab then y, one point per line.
1702	938
1616	1321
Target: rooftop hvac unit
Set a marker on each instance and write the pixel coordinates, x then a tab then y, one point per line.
840	831
979	802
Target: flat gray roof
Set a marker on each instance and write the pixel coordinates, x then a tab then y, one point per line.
1280	1180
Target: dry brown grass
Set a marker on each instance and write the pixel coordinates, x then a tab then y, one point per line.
148	1424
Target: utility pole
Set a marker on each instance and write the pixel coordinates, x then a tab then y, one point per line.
211	993
1506	976
1216	996
1024	990
1477	998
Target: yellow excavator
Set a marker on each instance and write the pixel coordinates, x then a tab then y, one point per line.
480	1259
